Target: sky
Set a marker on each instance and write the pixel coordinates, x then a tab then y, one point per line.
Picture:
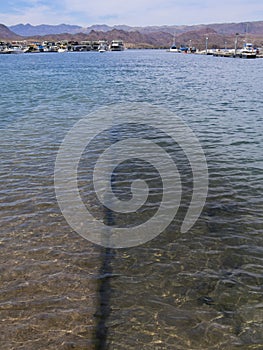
130	12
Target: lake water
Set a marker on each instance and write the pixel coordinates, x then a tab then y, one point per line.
198	290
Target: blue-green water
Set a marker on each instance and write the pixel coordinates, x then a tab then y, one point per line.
200	290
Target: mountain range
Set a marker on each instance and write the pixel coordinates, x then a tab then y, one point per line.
220	28
219	35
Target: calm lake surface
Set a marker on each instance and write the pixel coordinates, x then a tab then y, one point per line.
198	290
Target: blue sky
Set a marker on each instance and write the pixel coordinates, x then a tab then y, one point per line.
130	12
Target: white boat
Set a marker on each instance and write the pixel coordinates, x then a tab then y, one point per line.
4	50
61	50
248	51
116	45
16	49
50	47
173	48
103	46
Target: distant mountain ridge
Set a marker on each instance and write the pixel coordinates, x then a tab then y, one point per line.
150	37
7	34
255	27
44	29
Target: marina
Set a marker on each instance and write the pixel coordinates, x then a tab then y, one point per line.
62	46
247	52
19	47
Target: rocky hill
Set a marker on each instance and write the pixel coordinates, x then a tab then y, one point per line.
7	34
133	39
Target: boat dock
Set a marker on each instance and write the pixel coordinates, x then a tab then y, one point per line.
16	47
248	50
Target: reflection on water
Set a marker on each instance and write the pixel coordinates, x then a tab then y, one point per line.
200	290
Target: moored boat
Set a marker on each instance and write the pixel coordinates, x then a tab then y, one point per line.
15	49
4	50
62	49
248	51
116	45
174	48
103	46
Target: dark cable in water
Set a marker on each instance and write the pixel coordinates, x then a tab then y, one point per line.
104	291
103	310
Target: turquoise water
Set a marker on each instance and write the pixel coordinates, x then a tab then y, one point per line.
200	290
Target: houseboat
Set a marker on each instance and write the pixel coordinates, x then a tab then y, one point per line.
116	45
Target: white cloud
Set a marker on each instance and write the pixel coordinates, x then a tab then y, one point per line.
36	14
133	12
158	12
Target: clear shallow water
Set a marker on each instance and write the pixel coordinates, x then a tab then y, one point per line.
200	290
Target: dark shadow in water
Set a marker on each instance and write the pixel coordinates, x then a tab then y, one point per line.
104	291
103	310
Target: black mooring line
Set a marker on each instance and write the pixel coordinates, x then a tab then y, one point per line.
107	254
104	292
